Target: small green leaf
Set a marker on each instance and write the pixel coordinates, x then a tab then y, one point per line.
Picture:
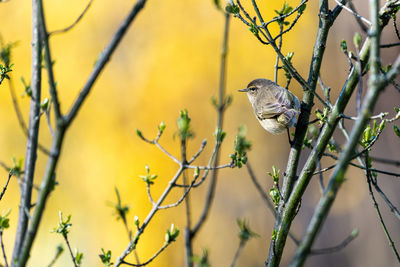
148	178
219	135
106	257
63	225
139	133
274	234
136	221
171	234
202	261
274	175
274	194
217	5
245	233
4	220
253	28
183	124
343	45
232	8
161	127
45	104
241	146
357	40
302	8
396	130
78	257
196	172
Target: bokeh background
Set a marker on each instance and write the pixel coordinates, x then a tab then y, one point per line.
169	61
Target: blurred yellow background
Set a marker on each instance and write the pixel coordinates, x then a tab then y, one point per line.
169	61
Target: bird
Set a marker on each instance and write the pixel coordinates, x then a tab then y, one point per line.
274	106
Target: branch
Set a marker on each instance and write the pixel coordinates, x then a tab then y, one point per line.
220	119
376	84
356	15
152	257
20	118
33	131
2	249
69	249
327	131
75	22
6	185
337	248
391	243
153	211
49	68
103	60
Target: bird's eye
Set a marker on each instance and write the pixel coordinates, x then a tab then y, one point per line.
252	89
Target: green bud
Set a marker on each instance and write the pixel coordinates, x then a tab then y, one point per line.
343	45
196	172
139	133
45	104
396	130
161	127
357	40
274	194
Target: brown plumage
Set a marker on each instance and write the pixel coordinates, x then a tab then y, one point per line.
275	107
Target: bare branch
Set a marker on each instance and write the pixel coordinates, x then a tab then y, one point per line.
103	60
75	22
152	257
6	185
358	16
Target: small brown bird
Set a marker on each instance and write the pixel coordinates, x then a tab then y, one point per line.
275	107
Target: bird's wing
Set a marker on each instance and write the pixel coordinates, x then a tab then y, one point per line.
273	105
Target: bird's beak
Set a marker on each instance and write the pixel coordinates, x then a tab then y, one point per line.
243	90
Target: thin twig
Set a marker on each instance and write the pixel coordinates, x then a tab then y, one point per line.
149	260
386	161
354	13
2	249
103	60
70	250
321	177
389	45
22	255
358	17
149	194
132	244
288	14
385	198
75	22
33	132
220	121
5	187
20	118
337	248
195	156
259	188
391	243
237	253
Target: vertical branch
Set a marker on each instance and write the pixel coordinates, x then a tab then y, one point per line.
25	239
277	56
45	189
2	249
188	239
376	84
308	99
302	125
33	131
222	104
